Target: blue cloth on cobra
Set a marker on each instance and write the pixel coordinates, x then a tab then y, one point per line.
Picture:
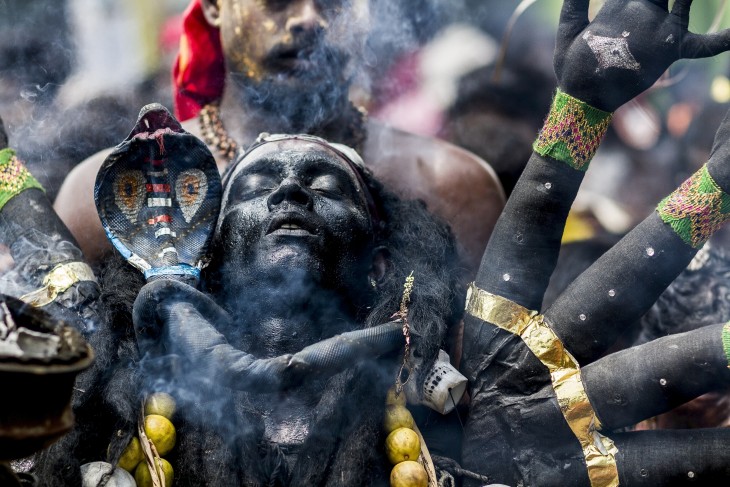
158	196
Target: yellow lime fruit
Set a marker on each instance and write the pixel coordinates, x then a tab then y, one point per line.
393	399
402	444
408	474
131	456
397	417
160	403
144	479
161	432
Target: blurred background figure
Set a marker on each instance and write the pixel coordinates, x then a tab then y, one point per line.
35	56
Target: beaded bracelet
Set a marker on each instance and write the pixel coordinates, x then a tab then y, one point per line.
14	177
696	209
572	131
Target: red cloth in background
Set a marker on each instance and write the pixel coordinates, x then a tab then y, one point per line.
198	74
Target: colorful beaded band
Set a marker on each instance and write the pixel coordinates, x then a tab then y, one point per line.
726	342
599	451
14	177
572	131
696	209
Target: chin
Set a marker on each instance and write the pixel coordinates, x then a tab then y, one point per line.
292	258
307	98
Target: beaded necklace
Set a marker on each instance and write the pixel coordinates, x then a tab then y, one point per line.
405	446
214	133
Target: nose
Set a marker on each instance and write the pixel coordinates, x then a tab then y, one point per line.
290	190
305	16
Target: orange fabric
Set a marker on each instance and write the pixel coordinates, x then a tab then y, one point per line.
199	71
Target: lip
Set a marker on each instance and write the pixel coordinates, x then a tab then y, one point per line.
291	224
291	56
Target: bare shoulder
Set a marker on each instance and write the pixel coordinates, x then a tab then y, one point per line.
457	185
75	206
388	146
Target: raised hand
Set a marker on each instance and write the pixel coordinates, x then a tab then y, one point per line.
626	48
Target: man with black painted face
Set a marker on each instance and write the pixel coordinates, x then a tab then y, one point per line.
285	66
295	217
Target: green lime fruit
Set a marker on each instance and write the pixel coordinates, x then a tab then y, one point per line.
160	403
401	445
144	479
161	433
131	456
397	417
408	474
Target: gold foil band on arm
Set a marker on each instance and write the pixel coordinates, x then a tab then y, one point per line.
57	281
599	451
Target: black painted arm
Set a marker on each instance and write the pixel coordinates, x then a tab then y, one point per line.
517	431
48	268
603	63
171	317
623	284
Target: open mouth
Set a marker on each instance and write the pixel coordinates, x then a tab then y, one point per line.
291	224
291	56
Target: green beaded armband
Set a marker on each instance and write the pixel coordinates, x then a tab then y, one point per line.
572	131
14	177
696	209
726	341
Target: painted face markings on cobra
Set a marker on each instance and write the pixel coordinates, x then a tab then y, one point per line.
612	52
129	193
191	188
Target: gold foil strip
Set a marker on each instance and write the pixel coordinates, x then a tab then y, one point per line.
599	451
58	280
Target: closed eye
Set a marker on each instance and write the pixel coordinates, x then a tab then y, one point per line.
326	184
253	186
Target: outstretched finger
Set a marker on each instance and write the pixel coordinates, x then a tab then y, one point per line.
681	8
696	46
573	19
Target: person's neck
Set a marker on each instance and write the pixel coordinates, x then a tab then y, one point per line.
245	116
284	320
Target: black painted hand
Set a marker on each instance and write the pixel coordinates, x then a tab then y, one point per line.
172	318
3	136
719	163
158	334
626	48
